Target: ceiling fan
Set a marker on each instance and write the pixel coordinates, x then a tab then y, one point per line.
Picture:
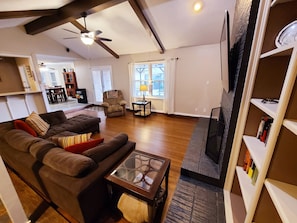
86	36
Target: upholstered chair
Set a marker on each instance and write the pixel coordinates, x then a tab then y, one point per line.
114	103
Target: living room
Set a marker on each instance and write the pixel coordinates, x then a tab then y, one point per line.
197	68
197	87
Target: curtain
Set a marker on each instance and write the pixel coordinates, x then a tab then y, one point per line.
131	82
170	85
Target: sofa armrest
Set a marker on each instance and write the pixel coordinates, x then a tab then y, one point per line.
103	150
105	104
54	118
123	102
68	163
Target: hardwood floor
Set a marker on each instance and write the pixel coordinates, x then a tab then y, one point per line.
159	134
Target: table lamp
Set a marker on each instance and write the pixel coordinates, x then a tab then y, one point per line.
143	88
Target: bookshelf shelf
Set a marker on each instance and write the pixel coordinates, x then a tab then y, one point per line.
271	73
282	51
284	197
291	125
275	2
246	186
257	150
269	109
19	93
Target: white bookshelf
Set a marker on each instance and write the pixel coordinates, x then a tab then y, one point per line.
247	188
257	150
269	109
291	125
271	74
284	197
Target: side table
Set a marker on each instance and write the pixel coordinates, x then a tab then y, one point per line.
144	176
142	108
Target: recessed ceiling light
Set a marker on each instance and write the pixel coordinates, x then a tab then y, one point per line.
197	6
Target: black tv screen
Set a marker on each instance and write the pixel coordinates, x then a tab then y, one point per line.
224	53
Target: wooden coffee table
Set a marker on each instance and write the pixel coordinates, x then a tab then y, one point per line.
144	176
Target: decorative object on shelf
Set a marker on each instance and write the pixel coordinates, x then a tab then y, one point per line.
269	101
287	35
143	88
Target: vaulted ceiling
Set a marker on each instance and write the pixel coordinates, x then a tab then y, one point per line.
135	26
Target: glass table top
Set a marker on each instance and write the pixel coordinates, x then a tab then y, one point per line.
139	170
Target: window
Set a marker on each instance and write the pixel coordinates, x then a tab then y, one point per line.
102	81
51	78
152	75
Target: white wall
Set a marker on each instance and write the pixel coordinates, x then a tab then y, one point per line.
15	41
198	82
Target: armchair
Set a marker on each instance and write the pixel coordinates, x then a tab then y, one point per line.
114	103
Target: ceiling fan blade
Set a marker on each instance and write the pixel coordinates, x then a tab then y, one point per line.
104	39
70	38
68	30
97	32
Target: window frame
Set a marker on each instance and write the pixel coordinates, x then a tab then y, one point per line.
137	82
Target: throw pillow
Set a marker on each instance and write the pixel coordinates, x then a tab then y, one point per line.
81	147
37	123
19	124
71	140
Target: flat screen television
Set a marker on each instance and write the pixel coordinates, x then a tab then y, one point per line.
224	53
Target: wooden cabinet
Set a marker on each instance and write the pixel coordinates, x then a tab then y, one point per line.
70	83
272	71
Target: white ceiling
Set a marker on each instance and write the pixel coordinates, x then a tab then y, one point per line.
174	21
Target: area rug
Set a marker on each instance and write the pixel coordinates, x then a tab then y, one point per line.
195	201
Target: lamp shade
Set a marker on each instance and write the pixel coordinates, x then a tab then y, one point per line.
143	88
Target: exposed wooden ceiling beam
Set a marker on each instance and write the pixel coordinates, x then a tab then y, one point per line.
67	13
27	13
151	32
99	42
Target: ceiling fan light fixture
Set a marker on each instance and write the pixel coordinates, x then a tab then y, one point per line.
87	39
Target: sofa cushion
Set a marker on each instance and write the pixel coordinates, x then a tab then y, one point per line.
20	140
81	147
40	148
114	108
54	118
78	124
71	164
37	123
72	140
20	124
103	150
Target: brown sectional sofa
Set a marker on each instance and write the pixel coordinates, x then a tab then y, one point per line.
73	182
